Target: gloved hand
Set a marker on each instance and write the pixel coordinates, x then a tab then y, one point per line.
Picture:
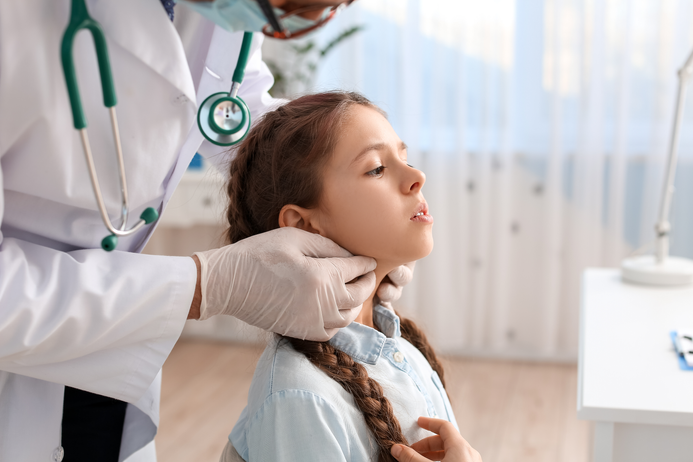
390	290
286	281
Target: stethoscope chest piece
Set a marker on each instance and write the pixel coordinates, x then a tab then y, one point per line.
223	119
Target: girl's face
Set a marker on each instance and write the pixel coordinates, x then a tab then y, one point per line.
371	203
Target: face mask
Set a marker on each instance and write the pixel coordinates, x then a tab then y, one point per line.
243	15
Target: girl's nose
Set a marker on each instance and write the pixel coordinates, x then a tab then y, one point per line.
415	180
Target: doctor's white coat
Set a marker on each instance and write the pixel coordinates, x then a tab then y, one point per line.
70	313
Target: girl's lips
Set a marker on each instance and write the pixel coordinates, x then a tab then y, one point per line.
426	218
421	215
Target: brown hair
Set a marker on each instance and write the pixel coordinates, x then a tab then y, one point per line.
279	163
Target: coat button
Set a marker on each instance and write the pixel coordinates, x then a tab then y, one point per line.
398	356
58	454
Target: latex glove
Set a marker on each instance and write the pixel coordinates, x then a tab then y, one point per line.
286	281
446	446
390	290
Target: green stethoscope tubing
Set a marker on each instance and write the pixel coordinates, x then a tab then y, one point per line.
207	115
80	19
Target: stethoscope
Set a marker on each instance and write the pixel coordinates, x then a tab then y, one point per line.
223	118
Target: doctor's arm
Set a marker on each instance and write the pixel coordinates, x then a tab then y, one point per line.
101	322
106	321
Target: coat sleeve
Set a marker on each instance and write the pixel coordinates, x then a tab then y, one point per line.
98	321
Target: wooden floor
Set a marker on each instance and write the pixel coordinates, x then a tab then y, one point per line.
509	411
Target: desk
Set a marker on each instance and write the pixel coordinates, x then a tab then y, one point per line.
629	382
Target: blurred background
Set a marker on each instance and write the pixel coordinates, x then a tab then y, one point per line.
542	127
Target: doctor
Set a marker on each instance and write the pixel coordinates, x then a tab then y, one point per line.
84	332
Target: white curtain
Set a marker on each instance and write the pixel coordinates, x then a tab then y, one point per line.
542	127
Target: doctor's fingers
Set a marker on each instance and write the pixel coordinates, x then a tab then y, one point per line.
336	319
314	245
354	293
388	292
347	269
333	320
402	275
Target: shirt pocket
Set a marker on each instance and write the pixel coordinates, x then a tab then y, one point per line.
444	396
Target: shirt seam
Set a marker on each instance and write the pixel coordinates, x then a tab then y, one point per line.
274	364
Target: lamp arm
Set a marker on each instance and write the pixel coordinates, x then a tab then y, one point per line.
687	66
663	226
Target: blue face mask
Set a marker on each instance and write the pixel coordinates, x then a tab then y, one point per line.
243	15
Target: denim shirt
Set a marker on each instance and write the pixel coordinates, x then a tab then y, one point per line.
295	412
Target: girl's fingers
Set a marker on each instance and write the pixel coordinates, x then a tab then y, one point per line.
432	443
445	429
435	455
406	454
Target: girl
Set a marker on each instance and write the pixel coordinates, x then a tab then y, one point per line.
331	164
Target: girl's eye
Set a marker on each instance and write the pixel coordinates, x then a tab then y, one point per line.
410	165
377	171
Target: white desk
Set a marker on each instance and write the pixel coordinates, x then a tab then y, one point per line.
629	381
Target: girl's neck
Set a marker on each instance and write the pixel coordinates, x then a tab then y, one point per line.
366	315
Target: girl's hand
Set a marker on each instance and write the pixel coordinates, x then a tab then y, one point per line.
446	446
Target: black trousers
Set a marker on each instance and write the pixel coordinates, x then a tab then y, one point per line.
92	426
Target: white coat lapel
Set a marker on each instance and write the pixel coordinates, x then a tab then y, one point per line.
216	77
146	17
208	85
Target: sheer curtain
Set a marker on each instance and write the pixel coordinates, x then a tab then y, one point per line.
542	127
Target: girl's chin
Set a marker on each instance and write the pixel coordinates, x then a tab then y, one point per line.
385	266
416	248
420	249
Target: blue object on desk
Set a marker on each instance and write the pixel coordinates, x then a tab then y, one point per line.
196	162
683	365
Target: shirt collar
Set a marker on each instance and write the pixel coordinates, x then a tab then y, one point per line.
364	343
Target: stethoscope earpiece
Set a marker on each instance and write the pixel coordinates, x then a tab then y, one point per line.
147	217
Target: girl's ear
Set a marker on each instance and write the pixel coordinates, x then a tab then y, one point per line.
298	217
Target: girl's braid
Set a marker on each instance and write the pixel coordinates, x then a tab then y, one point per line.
368	394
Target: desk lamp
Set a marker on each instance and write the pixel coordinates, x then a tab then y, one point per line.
662	269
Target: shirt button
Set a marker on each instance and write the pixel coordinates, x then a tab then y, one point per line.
58	454
398	356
